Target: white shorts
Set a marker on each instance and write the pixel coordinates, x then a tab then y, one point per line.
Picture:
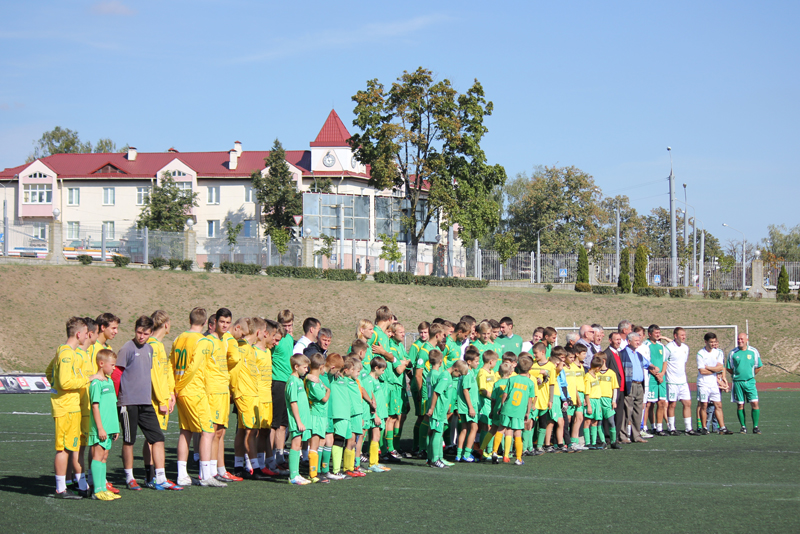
708	393
676	392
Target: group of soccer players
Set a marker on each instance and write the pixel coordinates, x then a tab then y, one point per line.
476	387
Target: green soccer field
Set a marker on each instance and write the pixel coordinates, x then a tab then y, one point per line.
679	484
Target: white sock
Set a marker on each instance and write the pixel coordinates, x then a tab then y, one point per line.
61	483
221	471
182	473
629	430
205	470
161	476
248	463
213	465
238	461
659	427
129	475
81	482
687	423
671	423
262	459
196	457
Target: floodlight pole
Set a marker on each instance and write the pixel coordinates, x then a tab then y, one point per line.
672	230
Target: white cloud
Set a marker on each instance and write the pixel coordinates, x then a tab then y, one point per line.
112	7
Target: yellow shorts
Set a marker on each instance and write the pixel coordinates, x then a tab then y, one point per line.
220	406
68	431
247	407
265	415
163	418
86	424
194	414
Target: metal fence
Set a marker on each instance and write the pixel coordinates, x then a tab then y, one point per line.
772	271
29	240
141	246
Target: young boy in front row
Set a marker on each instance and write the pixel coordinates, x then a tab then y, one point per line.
506	369
104	427
468	407
594	412
438	385
515	407
299	416
318	396
375	421
609	386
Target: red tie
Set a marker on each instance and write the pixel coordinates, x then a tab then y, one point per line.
621	370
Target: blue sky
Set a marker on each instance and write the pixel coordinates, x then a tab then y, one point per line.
602	86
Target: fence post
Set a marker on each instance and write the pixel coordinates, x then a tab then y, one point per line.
269	250
532	258
190	245
480	263
450	251
5	229
146	246
103	243
353	256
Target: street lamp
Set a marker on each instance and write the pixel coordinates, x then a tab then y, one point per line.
539	253
672	231
743	253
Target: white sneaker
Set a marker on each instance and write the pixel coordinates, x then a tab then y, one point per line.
299	481
185	481
213	483
646	435
334	476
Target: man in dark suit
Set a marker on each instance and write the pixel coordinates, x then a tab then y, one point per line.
614	363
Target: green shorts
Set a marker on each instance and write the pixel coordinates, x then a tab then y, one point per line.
437	425
356	424
555	412
572	410
94	440
536	414
319	425
606	408
745	391
369	423
514	423
656	391
465	418
406	405
394	400
305	435
597	410
341	427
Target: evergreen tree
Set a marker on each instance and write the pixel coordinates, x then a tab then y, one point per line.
167	207
624	281
640	268
783	282
277	193
583	266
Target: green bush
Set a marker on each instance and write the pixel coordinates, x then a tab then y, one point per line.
408	278
744	295
678	292
624	280
85	259
186	265
174	263
286	271
394	278
346	275
548	287
208	266
604	290
715	294
640	268
785	297
229	267
120	261
580	287
651	291
583	267
158	263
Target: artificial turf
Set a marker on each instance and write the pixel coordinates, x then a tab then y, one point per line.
679	484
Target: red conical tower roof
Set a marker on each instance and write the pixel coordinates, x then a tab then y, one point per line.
333	132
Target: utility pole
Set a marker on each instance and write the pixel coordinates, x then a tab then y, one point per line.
617	259
685	235
672	231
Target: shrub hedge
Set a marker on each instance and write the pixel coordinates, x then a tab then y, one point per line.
408	278
229	267
582	287
157	263
85	259
604	290
651	291
121	261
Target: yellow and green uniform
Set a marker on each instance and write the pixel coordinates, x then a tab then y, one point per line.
356	405
163	381
396	400
232	353
486	379
440	382
744	363
423	363
519	391
543	390
188	356
655	390
512	343
245	391
318	408
574	374
496	400
469	383
483	347
339	406
412	356
608	383
218	381
451	352
593	392
264	385
66	378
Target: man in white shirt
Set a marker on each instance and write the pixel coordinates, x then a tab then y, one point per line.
677	386
710	366
311	328
624	328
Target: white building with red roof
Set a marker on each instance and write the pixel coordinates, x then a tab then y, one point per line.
108	190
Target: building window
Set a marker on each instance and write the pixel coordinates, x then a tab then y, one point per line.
185	187
248	229
37	194
108	226
176	174
213	228
109	196
213	194
248	194
142	195
40	231
73	196
73	230
37	175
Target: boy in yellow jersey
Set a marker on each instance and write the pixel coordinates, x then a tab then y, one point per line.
268	334
487	376
574	372
515	408
245	395
543	373
555	414
609	387
108	328
594	412
188	358
67	379
88	367
217	380
163	395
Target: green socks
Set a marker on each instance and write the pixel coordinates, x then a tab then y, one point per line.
98	476
613	434
294	463
586	437
593	430
756	416
540	439
740	414
459	454
527	439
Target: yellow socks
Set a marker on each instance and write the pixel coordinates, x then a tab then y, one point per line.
498	439
349	459
518	447
507	440
313	462
374	452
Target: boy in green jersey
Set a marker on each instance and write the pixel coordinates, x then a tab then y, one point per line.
555	415
351	370
468	406
656	399
439	384
421	376
508	341
422	330
609	388
374	422
104	427
318	395
515	408
299	416
338	432
495	420
395	380
484	341
744	363
495	329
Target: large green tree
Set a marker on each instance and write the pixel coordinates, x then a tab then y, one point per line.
562	202
276	191
631	226
783	242
167	207
423	138
65	141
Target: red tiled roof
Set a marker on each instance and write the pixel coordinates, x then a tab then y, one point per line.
333	132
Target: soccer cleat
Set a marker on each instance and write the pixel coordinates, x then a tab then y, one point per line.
563	448
675	433
376	468
661	433
67	494
519	462
84	493
440	464
364	459
269	472
354	474
616	445
724	432
743	430
384	467
212	483
335	476
469	459
229	477
320	480
149	484
506	460
111	488
527	453
394	455
704	431
299	481
550	448
495	459
574	447
538	451
692	433
756	430
646	435
358	469
165	486
133	485
104	496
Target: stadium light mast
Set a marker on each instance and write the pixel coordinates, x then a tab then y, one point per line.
672	232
